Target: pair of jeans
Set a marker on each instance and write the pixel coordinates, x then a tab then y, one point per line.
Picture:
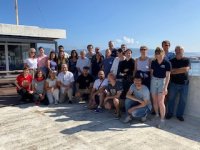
139	112
174	89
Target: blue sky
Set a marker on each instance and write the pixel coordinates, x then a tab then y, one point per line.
134	22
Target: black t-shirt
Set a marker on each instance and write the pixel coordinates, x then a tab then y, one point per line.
127	64
84	82
114	89
181	78
159	70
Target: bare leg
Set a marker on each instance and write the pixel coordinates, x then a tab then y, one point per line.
161	103
155	103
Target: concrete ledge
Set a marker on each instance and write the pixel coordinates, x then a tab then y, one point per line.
193	101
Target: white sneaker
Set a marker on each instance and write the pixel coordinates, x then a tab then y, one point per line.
127	119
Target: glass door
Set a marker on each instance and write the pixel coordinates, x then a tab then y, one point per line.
17	53
2	58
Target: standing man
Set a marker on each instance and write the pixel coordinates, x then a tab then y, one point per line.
166	46
90	52
42	61
82	62
107	62
179	84
61	49
113	50
65	82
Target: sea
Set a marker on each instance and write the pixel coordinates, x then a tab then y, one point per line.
195	66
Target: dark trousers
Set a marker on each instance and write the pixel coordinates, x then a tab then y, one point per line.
26	96
175	89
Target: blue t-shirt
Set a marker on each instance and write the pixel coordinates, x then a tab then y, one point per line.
159	70
169	56
107	64
142	94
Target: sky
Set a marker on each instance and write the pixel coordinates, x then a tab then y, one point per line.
133	22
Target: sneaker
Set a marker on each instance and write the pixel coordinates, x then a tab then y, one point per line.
180	118
161	124
118	115
70	102
127	119
56	102
98	110
168	116
143	119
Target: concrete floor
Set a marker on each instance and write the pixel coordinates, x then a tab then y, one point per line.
73	126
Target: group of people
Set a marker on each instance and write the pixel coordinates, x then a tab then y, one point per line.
138	86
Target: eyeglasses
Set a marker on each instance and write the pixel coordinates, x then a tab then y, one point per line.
143	49
167	45
33	52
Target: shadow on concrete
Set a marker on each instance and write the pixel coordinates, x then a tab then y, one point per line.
79	118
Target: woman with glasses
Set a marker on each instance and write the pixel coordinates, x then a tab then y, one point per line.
31	61
160	72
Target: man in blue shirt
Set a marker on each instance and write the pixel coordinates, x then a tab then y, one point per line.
166	46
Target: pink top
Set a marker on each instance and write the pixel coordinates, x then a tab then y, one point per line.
42	61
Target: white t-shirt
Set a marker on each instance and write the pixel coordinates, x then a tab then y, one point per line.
115	65
66	78
82	63
32	63
51	82
98	82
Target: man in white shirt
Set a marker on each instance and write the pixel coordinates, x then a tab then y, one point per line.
98	92
65	82
82	62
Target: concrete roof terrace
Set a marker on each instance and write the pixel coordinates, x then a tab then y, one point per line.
31	31
73	126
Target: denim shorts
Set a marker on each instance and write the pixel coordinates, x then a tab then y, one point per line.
157	85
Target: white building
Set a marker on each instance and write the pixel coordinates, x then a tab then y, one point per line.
15	41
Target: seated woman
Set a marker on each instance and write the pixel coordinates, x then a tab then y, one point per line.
38	88
51	88
23	83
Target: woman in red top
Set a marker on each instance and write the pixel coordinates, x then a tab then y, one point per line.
23	83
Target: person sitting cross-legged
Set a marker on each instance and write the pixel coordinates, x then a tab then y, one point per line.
137	104
98	92
113	92
84	84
